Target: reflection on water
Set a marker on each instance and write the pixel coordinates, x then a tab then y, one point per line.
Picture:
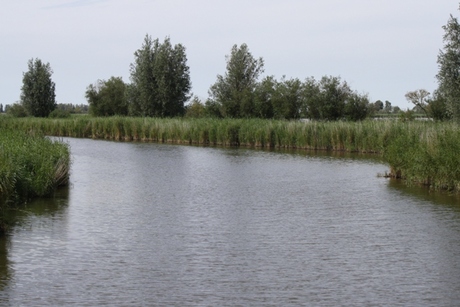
4	266
445	198
153	224
39	212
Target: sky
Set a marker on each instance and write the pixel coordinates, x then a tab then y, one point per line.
382	48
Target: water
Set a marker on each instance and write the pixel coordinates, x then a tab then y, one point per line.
165	225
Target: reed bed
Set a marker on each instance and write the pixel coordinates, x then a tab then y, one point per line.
422	152
30	166
359	137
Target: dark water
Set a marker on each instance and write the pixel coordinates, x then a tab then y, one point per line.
165	225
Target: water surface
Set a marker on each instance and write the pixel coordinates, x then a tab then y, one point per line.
165	225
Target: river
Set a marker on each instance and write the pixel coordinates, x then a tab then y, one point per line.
146	224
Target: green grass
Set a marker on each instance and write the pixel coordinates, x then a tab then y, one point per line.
30	166
420	151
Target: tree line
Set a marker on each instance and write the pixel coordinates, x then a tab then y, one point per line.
160	86
444	103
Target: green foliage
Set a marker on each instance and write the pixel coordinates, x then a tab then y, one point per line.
406	116
437	108
16	110
212	109
59	113
287	99
263	100
419	98
107	98
38	90
387	108
378	106
449	66
72	108
421	152
234	92
357	107
331	99
195	109
30	165
160	80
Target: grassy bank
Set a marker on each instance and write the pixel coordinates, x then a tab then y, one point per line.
422	152
359	137
30	166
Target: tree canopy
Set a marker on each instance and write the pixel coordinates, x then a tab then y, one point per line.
449	68
234	92
160	79
38	90
107	98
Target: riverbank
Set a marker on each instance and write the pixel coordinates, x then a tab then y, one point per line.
421	152
30	166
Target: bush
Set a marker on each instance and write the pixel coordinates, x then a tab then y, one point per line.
58	113
17	110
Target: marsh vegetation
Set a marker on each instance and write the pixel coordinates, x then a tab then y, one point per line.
421	152
30	166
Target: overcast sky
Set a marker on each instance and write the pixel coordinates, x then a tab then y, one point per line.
384	48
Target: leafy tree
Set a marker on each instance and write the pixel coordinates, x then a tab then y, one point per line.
334	94
1	108
234	92
59	113
437	107
378	105
449	67
195	109
264	92
332	99
38	90
71	108
107	98
419	99
287	99
312	107
357	107
16	110
160	79
212	109
406	116
387	107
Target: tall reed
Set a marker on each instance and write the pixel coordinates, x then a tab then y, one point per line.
30	165
423	152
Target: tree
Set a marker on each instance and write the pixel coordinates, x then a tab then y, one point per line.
287	99
234	92
334	94
332	99
357	107
437	107
378	105
387	107
160	79
1	108
16	110
312	107
263	101
38	90
418	98
449	67
107	98
195	109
